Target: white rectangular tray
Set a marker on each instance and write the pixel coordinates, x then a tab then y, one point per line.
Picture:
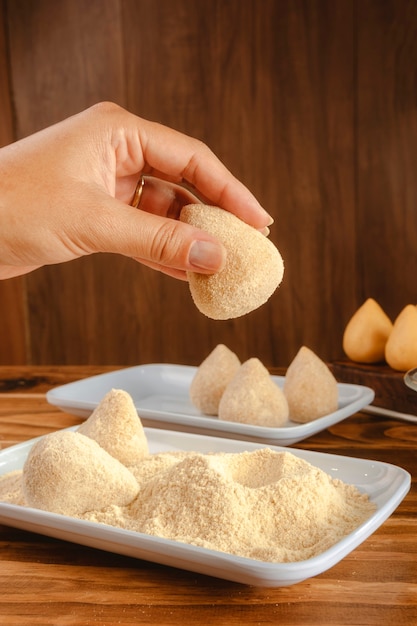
385	484
160	393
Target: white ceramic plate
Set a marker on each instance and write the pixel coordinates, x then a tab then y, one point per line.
386	485
161	396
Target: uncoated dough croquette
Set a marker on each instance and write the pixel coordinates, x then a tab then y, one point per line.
212	378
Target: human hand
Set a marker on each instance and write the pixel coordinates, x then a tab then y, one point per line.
66	193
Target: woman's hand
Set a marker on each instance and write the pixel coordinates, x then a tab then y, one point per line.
65	192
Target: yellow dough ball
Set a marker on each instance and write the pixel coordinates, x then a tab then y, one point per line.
401	348
366	333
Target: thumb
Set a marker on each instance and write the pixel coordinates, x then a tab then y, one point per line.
159	242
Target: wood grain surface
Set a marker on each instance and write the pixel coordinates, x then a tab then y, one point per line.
51	582
390	391
310	102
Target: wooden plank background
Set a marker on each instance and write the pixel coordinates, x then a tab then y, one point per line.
312	103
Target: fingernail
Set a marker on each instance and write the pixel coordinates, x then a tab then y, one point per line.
268	217
207	255
265	231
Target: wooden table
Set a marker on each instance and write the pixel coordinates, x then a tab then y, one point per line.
47	581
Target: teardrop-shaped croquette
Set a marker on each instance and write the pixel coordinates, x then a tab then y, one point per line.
401	348
117	428
68	473
212	378
252	272
366	333
252	397
310	387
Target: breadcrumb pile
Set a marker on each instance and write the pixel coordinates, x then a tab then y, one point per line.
265	505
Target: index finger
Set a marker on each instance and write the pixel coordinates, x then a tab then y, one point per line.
176	157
